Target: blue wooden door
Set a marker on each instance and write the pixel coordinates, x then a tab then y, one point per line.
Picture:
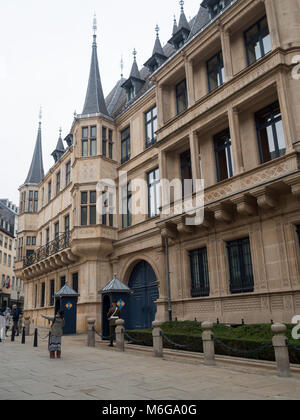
142	307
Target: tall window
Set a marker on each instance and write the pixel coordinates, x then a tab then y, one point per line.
68	173
67	224
36	201
62	281
57	183
215	72
108	209
270	133
199	273
223	152
153	193
181	97
298	233
43	295
30	202
104	141
110	144
151	126
52	291
125	145
85	142
126	206
88	208
240	265
49	191
89	141
258	41
75	282
93	141
186	173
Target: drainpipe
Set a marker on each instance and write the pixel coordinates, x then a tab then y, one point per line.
168	278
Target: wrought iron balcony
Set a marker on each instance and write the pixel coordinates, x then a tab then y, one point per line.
59	244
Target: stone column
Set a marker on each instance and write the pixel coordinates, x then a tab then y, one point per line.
195	155
238	161
190	82
91	332
120	335
27	326
226	49
272	23
157	339
287	112
208	344
281	350
160	107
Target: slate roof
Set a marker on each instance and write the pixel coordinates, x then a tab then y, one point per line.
36	171
115	286
67	291
117	101
94	101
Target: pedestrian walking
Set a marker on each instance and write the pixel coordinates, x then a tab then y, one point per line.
8	318
16	317
56	334
2	326
113	315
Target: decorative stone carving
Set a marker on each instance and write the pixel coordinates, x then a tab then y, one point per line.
246	205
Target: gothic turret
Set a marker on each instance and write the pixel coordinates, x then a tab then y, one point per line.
182	33
94	101
60	150
36	171
134	84
158	55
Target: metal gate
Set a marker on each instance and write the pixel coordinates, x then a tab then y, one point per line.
142	307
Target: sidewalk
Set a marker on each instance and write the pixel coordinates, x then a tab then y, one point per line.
102	373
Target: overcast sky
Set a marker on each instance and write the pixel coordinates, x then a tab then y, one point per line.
45	51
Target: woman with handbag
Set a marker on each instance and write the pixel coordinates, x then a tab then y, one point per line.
56	334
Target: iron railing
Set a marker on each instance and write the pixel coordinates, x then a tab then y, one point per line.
59	244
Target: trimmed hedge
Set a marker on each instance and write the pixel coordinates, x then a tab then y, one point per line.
245	338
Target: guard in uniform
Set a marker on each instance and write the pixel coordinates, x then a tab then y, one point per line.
113	315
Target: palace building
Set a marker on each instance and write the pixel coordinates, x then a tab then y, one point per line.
219	102
11	288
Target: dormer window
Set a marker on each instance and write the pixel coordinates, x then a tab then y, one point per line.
130	92
216	8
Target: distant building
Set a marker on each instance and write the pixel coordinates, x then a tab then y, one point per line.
11	287
218	101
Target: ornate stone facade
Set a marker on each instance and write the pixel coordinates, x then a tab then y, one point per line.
260	201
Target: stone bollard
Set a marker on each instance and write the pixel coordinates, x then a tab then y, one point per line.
281	350
208	344
27	326
120	335
157	339
91	333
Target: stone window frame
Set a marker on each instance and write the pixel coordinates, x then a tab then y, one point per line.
228	152
150	121
205	290
181	93
220	68
258	37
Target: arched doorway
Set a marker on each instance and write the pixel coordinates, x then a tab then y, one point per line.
142	307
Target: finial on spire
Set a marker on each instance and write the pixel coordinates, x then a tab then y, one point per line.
40	116
157	31
181	5
122	65
60	132
134	54
95	24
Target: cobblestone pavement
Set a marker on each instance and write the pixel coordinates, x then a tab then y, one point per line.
104	374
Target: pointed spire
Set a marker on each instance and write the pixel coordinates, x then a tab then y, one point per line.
122	67
36	171
175	27
157	46
94	101
60	149
135	70
183	23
